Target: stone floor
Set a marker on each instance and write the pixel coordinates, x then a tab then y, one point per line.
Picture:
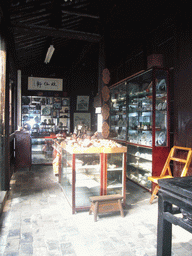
37	220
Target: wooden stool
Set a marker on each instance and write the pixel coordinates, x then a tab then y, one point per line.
106	203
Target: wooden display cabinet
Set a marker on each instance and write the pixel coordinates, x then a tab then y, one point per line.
144	100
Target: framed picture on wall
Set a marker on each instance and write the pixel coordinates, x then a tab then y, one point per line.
57	105
63	121
65	101
54	113
82	103
83	119
56	100
46	110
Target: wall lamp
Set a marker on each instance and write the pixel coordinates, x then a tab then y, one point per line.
49	54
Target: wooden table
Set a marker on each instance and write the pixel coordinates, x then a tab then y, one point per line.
175	196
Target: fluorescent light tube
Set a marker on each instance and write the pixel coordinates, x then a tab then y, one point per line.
49	54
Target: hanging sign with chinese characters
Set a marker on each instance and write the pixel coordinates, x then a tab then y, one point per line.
45	84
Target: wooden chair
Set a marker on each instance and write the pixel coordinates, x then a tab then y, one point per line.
166	172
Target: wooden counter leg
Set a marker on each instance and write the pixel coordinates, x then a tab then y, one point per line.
96	210
121	208
91	208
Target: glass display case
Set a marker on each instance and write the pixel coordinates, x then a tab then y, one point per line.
147	131
118	122
91	172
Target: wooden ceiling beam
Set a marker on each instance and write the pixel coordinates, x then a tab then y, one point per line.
53	32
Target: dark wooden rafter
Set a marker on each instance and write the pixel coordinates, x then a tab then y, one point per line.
23	39
35	24
30	40
72	23
80	14
30	45
22	16
34	18
20	37
48	31
72	26
40	22
76	4
23	8
66	20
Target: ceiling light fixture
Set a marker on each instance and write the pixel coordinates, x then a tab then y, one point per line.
49	54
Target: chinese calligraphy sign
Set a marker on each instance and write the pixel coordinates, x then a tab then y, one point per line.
45	84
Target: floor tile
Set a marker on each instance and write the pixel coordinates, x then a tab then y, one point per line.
37	220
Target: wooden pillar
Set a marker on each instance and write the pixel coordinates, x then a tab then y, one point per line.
2	110
101	64
7	115
103	90
182	85
19	98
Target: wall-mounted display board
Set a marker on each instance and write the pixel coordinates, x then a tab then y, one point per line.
45	115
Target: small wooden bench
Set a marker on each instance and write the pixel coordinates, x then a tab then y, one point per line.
105	204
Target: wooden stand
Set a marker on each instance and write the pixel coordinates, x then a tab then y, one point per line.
105	204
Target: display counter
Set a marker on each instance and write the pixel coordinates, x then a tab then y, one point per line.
42	150
90	168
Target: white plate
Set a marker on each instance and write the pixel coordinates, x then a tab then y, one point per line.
161	138
164	106
159	107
